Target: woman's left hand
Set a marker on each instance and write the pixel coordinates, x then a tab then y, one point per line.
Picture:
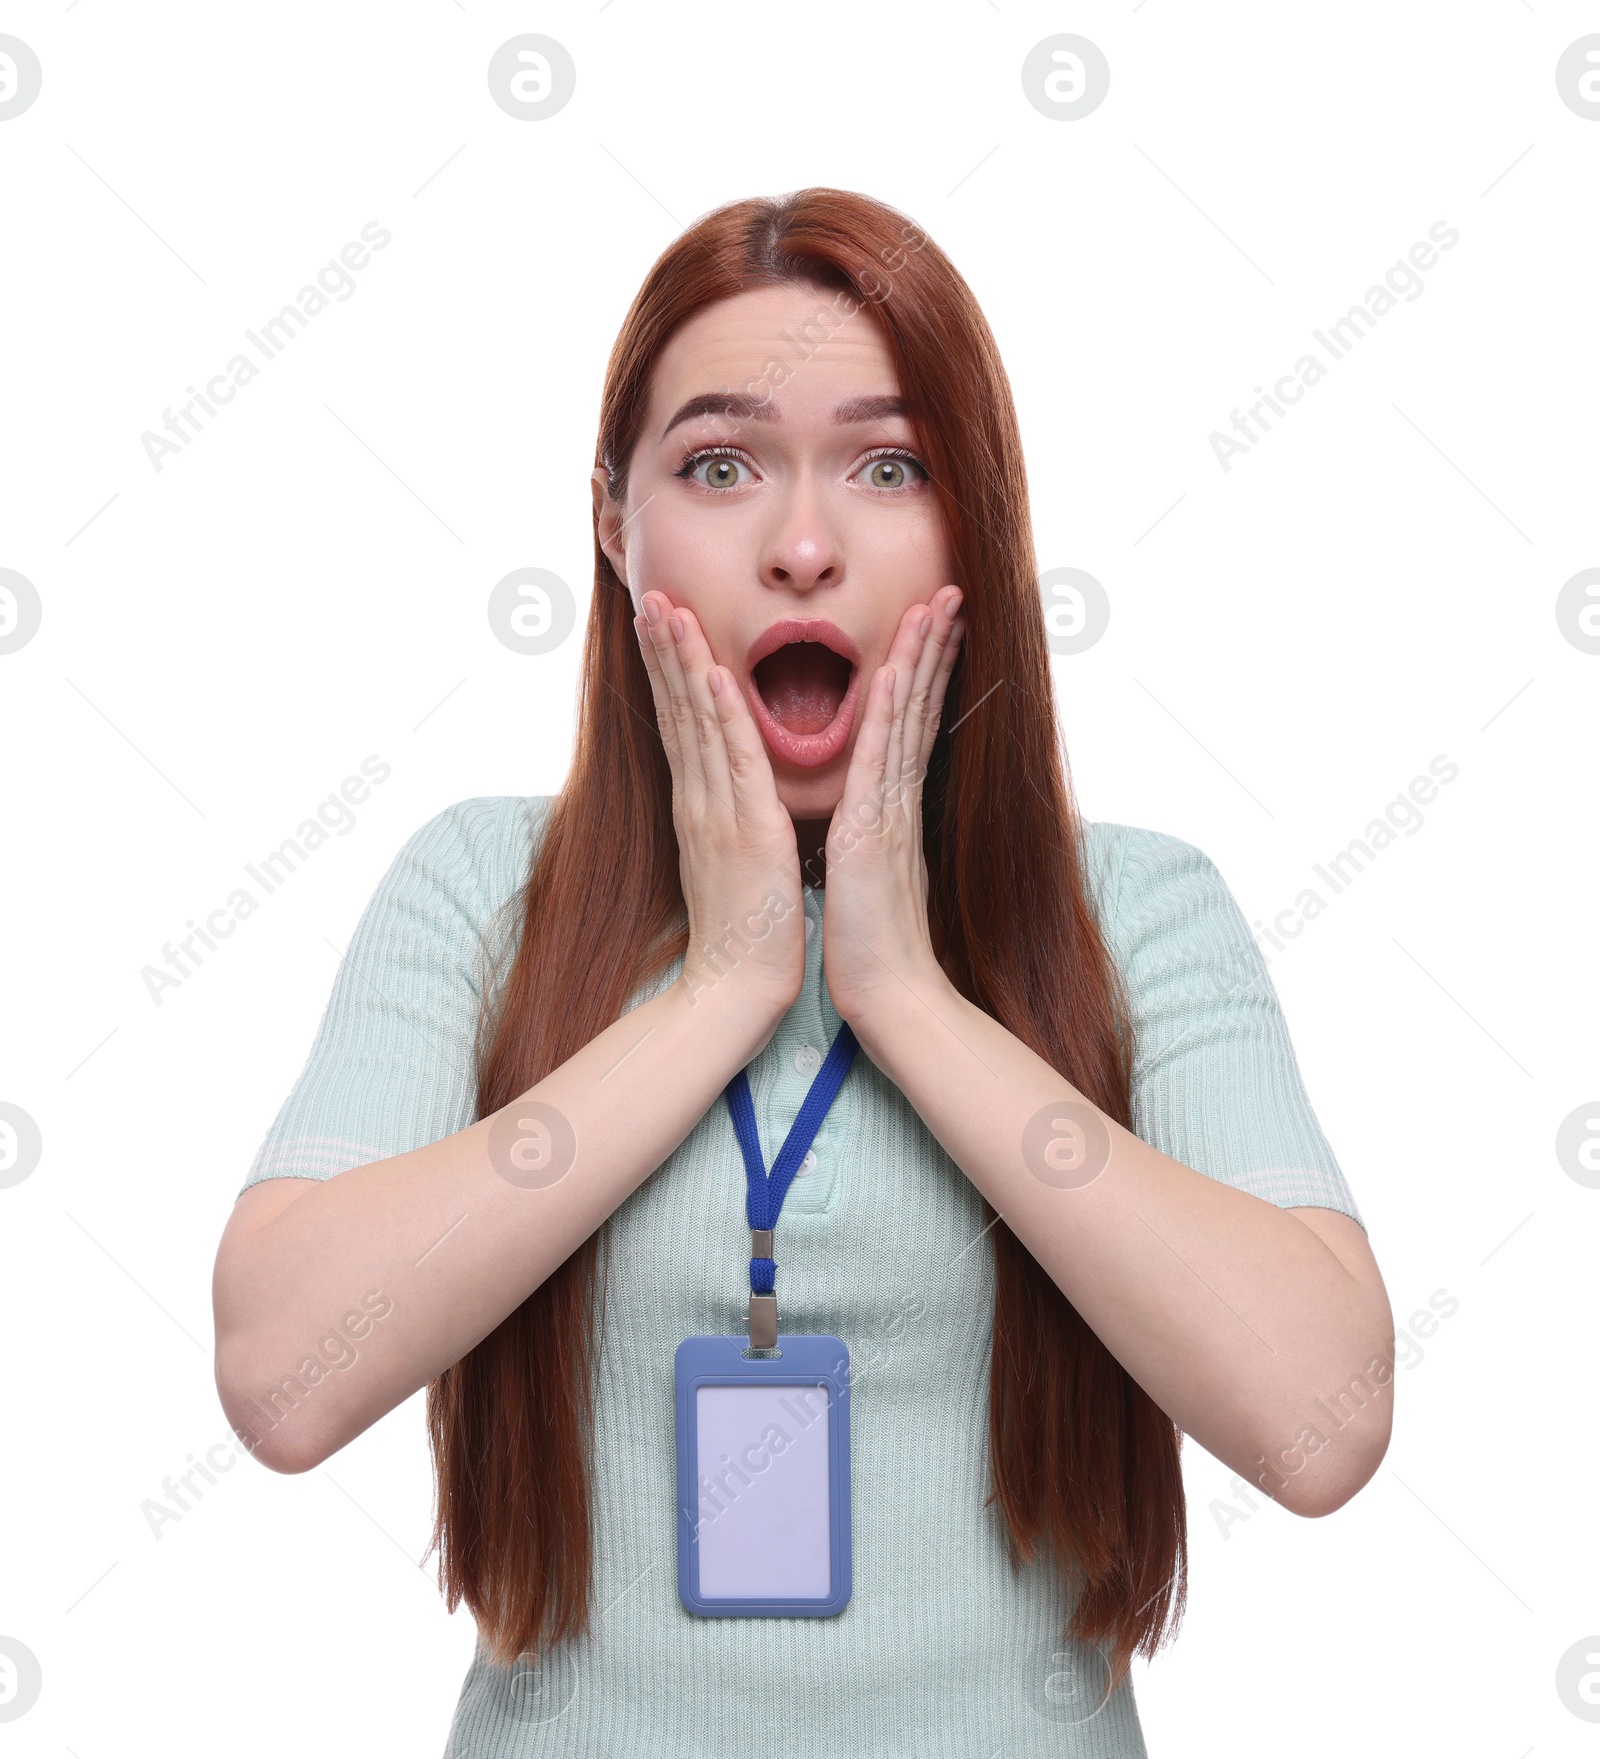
875	938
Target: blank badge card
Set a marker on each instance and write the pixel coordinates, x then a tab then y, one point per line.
763	1477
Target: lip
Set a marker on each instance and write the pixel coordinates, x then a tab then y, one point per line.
804	750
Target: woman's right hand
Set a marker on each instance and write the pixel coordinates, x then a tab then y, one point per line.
738	860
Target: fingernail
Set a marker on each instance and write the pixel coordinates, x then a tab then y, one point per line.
955	603
675	624
927	624
652	610
715	679
888	681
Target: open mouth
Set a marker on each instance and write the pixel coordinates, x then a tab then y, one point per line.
803	684
803	687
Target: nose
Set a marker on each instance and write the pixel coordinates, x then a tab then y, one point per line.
801	550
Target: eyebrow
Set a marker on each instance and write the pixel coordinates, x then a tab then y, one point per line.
738	407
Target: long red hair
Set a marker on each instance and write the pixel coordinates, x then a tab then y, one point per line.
1083	1461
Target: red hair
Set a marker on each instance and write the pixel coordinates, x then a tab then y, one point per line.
1083	1461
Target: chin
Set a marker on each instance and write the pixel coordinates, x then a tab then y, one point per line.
813	797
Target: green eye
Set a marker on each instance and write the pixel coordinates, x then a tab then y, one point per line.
893	472
715	470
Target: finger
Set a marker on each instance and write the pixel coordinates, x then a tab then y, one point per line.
936	631
755	789
923	705
937	694
660	696
692	654
861	809
906	655
680	710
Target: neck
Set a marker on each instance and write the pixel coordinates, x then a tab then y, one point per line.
811	838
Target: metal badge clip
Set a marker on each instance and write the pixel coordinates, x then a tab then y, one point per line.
763	1314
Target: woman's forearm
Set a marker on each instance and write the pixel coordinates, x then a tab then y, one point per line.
1229	1311
380	1278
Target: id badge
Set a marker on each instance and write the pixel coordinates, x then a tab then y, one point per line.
763	1477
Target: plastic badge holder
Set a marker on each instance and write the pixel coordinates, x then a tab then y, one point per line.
763	1477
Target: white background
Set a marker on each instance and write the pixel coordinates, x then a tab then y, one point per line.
1291	641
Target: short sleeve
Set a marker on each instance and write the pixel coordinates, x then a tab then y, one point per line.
391	1067
1216	1083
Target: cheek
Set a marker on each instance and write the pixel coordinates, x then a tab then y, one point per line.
692	567
904	562
907	556
673	554
932	551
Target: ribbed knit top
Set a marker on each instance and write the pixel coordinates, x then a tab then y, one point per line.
943	1652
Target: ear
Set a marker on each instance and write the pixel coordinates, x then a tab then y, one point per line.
608	522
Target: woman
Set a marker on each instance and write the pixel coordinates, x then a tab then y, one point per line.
1071	1203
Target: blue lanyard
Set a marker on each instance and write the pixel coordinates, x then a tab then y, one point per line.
765	1194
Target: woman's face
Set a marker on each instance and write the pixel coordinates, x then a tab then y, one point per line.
777	491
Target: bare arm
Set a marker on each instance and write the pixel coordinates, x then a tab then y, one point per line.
335	1300
1264	1333
428	1251
1256	1329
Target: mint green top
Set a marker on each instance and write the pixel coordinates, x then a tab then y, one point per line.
943	1652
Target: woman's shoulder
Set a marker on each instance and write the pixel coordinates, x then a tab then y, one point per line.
485	823
475	851
1137	874
1114	848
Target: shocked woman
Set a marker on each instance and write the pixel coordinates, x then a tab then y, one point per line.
780	1392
